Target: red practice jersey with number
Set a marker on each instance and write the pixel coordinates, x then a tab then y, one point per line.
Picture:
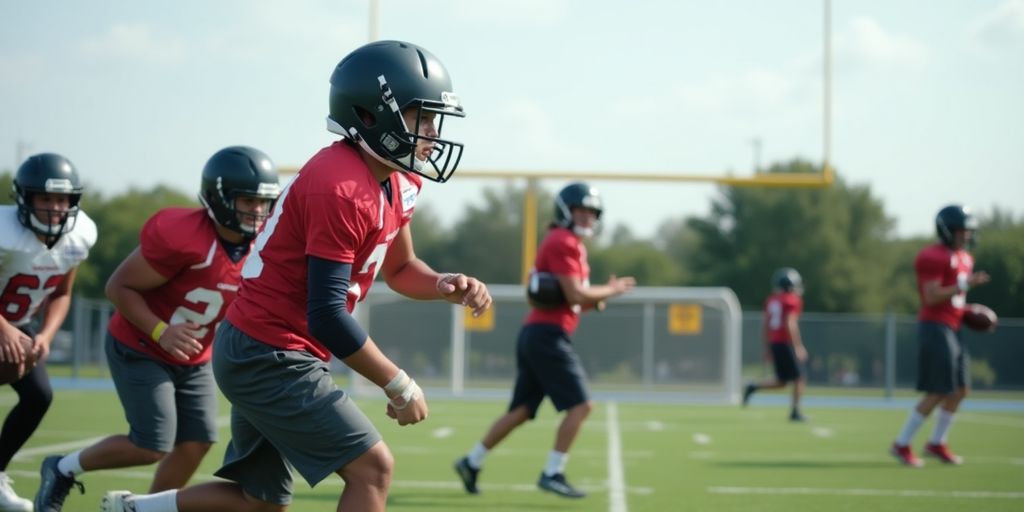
778	307
182	245
940	263
333	209
563	253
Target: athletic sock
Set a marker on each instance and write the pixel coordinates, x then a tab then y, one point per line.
942	425
165	501
476	456
70	465
556	463
910	428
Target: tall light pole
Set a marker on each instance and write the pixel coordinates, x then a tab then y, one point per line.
374	20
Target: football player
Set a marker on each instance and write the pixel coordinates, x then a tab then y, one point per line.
43	239
945	272
546	364
342	219
783	343
169	293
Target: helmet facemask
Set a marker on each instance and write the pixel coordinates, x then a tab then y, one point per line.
222	205
388	138
578	195
29	215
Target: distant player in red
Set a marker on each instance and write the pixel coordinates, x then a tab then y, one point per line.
44	237
945	272
344	218
546	364
170	293
782	338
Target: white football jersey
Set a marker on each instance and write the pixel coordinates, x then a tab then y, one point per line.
29	272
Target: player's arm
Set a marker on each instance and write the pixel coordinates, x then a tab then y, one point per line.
407	274
793	325
124	289
332	325
934	294
56	308
11	350
590	296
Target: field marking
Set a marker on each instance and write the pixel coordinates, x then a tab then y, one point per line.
701	439
616	476
443	432
902	493
822	432
397	484
999	421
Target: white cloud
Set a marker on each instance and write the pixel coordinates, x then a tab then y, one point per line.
134	41
1001	27
866	43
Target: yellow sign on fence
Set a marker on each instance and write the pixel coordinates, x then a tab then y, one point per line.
684	318
482	323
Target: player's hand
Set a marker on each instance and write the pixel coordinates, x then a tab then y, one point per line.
11	349
801	353
40	349
621	284
465	290
179	340
977	278
411	413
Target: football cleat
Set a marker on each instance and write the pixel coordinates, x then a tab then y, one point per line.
747	393
467	474
54	486
942	452
905	456
559	485
9	500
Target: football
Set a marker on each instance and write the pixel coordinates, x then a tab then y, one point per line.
980	317
543	291
10	372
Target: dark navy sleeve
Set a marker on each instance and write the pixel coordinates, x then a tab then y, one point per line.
327	310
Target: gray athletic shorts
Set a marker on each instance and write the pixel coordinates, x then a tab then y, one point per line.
164	404
286	412
942	364
547	365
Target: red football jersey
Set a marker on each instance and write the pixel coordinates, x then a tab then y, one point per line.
333	209
182	245
940	263
778	307
563	253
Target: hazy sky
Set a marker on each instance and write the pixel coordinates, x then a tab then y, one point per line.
928	95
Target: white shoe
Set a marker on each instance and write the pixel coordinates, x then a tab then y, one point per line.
117	501
9	500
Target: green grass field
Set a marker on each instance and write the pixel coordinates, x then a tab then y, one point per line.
630	457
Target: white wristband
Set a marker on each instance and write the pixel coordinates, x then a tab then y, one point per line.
398	383
961	283
408	396
405	390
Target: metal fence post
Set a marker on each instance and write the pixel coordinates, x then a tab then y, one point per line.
890	354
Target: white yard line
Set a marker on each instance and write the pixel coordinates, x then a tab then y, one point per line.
902	493
616	477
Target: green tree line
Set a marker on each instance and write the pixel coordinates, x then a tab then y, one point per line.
840	238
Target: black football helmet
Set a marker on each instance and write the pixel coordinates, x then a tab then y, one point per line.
788	279
577	195
237	171
371	87
52	174
952	219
